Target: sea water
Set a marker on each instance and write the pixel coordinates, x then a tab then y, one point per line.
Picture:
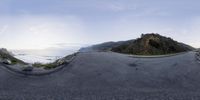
43	55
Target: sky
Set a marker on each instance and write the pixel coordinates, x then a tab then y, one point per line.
39	24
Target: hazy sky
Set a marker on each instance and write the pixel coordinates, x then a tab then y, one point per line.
36	24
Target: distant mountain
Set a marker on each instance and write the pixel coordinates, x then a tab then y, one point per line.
107	46
147	44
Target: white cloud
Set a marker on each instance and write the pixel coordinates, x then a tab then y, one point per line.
117	7
3	29
37	32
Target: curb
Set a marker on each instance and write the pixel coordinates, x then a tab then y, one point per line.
47	72
158	56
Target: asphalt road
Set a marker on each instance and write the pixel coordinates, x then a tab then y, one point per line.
109	76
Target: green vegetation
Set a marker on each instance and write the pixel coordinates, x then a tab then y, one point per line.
8	58
5	55
45	66
55	64
152	44
107	46
147	44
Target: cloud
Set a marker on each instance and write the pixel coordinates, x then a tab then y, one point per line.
92	21
3	29
118	6
41	31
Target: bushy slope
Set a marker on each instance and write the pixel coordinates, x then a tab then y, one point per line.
152	44
5	55
107	46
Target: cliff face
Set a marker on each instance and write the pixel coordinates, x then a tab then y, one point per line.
152	44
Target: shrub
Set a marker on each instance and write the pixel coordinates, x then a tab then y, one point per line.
4	54
45	66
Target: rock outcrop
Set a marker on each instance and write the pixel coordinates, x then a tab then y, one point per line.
7	58
152	44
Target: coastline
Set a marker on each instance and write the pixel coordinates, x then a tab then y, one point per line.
37	71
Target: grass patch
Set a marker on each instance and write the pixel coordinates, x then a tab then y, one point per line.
4	54
45	66
55	64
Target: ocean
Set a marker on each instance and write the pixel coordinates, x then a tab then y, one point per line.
43	55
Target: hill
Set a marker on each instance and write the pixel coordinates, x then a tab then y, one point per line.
152	44
109	45
147	44
106	46
7	57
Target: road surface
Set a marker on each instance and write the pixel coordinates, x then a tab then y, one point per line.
109	76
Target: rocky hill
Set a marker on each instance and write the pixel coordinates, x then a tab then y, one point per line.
147	44
8	58
152	44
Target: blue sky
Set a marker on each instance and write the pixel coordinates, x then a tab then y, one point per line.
37	24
